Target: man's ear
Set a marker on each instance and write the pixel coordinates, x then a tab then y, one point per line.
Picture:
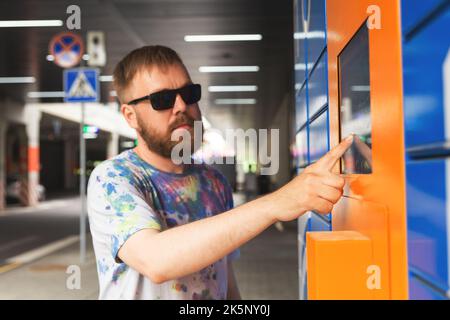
129	113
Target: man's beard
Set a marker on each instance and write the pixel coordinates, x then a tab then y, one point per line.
162	144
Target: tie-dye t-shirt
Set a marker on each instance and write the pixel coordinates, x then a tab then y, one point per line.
125	195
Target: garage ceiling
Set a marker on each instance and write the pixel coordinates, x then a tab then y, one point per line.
130	24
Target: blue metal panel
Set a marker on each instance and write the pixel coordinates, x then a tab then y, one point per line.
425	46
308	49
300	109
423	58
301	147
303	223
299	46
418	290
426	205
317	86
318	137
316	33
413	11
319	223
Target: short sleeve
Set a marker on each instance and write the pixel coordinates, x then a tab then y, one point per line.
118	207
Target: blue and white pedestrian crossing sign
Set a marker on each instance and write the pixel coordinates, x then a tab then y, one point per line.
81	85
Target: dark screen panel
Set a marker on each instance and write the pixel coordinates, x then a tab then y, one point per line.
354	104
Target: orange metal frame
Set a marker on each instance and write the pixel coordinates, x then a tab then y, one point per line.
373	204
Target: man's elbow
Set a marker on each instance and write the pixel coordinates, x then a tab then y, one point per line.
150	266
146	266
155	274
156	278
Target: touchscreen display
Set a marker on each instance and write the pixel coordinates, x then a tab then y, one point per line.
354	104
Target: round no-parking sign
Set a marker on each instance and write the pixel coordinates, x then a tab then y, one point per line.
67	49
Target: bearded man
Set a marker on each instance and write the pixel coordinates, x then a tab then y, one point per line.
165	230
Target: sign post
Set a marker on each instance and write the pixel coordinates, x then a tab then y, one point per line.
82	186
81	85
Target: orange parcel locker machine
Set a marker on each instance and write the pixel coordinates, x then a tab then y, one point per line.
364	257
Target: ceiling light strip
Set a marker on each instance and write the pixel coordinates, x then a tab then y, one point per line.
235	101
229	69
46	94
250	88
223	37
9	80
30	23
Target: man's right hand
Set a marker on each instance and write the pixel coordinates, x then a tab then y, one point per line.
315	189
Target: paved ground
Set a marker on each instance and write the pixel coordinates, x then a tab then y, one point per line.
46	278
267	268
24	229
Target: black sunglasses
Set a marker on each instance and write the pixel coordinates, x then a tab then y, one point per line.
165	99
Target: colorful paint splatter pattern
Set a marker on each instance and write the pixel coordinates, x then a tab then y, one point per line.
126	195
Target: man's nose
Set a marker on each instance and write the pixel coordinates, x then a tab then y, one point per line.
180	105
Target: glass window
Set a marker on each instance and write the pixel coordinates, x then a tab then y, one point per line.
354	104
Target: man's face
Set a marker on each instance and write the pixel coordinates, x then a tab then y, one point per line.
156	127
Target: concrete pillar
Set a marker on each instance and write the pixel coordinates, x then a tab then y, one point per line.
3	126
113	145
33	118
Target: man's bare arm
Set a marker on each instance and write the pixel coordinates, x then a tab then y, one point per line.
183	250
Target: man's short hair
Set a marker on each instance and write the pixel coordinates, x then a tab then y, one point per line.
145	57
